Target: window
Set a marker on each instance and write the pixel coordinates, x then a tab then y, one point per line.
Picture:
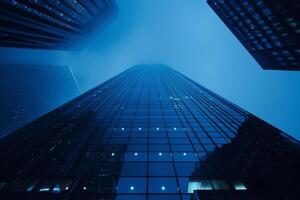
163	185
161	169
131	185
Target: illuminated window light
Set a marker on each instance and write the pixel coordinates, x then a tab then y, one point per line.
56	189
239	186
184	154
199	185
131	188
84	188
140	129
31	187
160	154
157	128
193	186
175	128
122	129
163	188
206	185
219	185
44	189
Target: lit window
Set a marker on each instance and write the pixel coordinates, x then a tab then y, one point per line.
199	185
44	189
132	185
162	185
239	186
193	186
56	189
219	185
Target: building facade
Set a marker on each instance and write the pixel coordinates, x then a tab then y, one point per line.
33	91
54	24
149	133
269	30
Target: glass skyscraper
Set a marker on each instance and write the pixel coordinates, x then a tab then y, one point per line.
149	133
33	91
51	24
270	30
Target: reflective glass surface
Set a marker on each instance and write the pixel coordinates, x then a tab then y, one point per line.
268	29
148	133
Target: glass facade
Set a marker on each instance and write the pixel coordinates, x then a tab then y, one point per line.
269	30
149	133
52	24
33	91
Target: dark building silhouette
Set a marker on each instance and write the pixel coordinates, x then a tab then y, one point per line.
149	133
29	91
54	24
270	30
261	157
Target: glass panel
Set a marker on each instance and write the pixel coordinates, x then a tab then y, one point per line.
162	185
161	169
132	185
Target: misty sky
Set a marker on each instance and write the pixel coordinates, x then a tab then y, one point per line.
188	36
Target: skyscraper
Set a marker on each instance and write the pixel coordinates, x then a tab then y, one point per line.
269	30
149	133
54	24
29	91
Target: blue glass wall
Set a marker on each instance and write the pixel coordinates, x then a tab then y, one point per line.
148	133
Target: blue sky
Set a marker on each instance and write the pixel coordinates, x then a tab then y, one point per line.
188	36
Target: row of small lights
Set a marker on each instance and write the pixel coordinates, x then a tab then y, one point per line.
163	188
237	186
157	128
160	154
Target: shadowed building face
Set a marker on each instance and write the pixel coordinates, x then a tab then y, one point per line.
149	132
29	91
270	30
51	24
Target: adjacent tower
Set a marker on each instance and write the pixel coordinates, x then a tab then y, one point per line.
269	30
51	24
29	91
149	133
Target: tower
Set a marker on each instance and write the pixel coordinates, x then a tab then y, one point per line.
149	133
55	24
270	31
